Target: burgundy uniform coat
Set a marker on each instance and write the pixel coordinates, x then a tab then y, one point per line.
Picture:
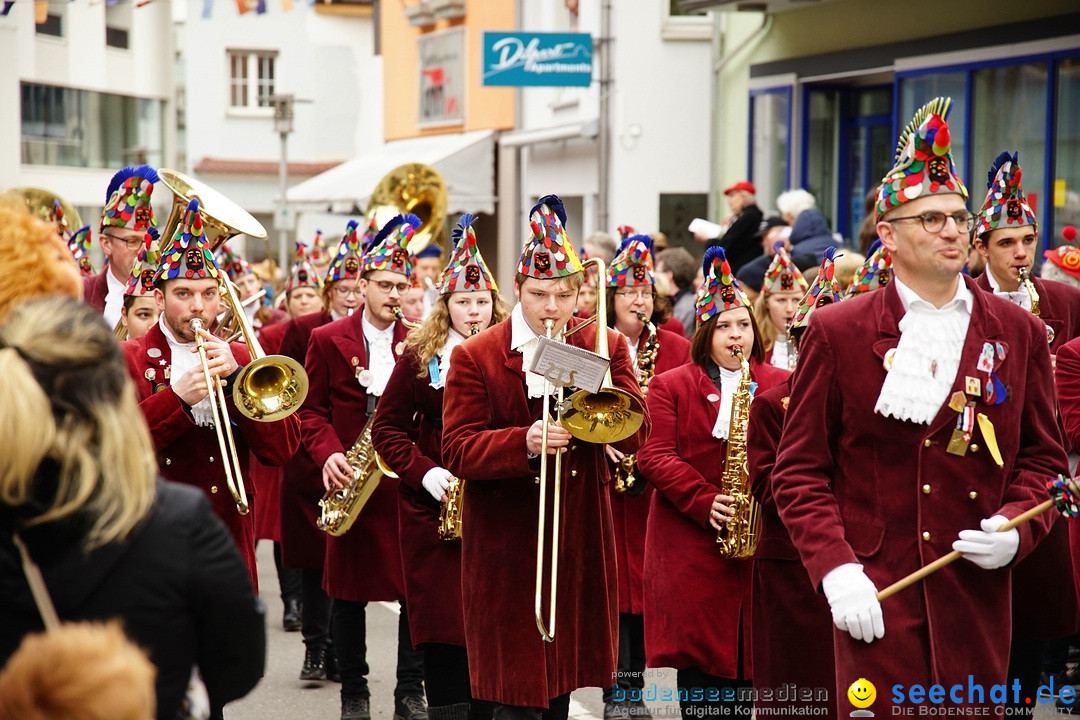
364	564
188	453
1068	389
785	606
408	436
486	415
1043	606
630	513
855	487
302	544
696	602
267	478
95	288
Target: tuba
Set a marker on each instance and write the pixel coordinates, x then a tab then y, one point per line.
418	189
624	469
340	506
738	538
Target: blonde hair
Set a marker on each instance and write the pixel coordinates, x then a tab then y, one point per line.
80	671
67	403
767	332
428	339
34	261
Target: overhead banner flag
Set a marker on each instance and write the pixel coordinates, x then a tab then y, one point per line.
537	59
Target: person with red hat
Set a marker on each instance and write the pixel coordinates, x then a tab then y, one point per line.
740	242
494	420
921	419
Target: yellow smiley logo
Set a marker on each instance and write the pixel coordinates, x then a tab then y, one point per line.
862	693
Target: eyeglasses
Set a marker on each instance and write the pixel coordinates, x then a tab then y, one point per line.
636	294
388	287
933	222
129	243
344	292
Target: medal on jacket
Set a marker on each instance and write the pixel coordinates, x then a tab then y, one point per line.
364	377
961	435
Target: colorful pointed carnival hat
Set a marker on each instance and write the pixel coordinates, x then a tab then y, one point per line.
825	291
548	253
390	248
1006	205
318	254
875	273
234	265
79	245
188	255
625	231
720	291
924	164
141	282
127	200
348	264
466	270
782	275
303	273
633	263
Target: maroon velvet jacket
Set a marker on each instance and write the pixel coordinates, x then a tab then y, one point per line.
95	288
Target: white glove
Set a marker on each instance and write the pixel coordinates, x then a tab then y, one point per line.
988	548
853	600
436	481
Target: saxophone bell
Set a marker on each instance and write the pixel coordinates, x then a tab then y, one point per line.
340	506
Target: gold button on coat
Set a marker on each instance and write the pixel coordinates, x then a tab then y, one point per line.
926	535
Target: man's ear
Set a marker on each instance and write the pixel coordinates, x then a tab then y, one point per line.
887	233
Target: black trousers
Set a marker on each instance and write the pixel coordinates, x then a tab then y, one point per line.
1025	664
446	679
291	580
558	709
348	625
702	687
316	609
631	670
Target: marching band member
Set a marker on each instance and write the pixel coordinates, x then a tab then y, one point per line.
124	222
469	303
303	544
1007	236
636	312
776	305
140	311
79	245
705	635
173	394
349	362
492	436
303	296
428	266
784	603
881	464
248	286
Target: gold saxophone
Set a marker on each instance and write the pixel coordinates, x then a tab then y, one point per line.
1029	287
624	469
341	505
450	512
738	538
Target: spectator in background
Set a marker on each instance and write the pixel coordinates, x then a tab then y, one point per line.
868	228
790	204
740	241
601	245
675	273
660	241
810	236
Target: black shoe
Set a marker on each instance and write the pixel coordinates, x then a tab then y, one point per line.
355	708
410	707
332	673
292	619
638	710
314	669
616	710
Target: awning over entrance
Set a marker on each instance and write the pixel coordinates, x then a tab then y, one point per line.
465	160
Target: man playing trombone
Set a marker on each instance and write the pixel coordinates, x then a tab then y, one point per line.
495	438
186	421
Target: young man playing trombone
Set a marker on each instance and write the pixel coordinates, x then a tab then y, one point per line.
180	409
493	437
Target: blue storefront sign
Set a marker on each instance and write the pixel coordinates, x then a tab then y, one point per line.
538	59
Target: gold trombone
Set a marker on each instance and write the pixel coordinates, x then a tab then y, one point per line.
547	630
233	477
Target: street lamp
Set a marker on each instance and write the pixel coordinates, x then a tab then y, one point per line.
283	125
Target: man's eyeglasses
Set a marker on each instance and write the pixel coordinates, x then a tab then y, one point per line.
388	287
343	292
933	222
636	294
129	243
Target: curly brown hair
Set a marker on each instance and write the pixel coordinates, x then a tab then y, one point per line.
428	339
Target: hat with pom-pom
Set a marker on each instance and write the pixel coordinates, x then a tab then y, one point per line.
141	282
924	164
875	273
348	264
318	254
127	200
234	265
720	291
303	274
188	256
79	245
824	291
466	271
548	253
1006	205
633	263
782	275
389	249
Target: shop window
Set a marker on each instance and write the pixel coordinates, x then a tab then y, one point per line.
1065	184
770	122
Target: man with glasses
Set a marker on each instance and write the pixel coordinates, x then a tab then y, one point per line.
124	222
349	362
303	545
921	419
